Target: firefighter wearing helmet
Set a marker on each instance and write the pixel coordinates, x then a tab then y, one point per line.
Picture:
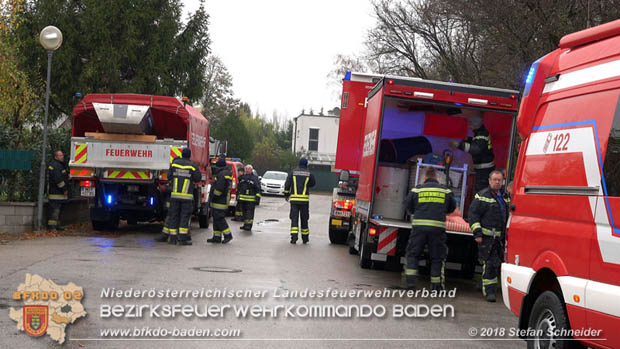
219	197
182	175
297	192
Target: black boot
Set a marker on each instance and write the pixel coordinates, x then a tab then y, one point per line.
60	227
161	238
51	227
184	240
215	239
490	297
305	238
172	239
293	239
227	238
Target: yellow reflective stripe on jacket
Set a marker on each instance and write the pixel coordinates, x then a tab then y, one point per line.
228	177
247	197
217	192
56	196
185	185
294	186
305	186
185	167
221	206
476	226
466	147
182	196
489	232
429	222
61	184
484	199
485	165
481	137
50	167
440	190
176	184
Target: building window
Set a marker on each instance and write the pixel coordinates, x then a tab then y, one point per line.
313	140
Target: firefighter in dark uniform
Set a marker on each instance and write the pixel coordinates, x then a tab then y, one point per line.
249	190
58	180
488	214
428	203
219	198
297	191
181	176
239	208
479	146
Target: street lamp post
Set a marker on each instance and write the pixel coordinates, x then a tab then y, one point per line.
51	39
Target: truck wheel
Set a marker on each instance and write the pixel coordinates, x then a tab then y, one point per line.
203	217
351	242
365	261
549	315
336	236
132	221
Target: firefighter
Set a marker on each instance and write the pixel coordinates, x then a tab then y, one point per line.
297	191
181	176
249	190
488	214
239	209
428	203
219	197
480	149
58	181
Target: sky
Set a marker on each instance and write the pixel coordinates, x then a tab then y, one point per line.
280	52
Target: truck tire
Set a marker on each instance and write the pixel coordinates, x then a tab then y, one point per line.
132	221
203	217
99	225
351	242
365	261
336	236
110	224
549	313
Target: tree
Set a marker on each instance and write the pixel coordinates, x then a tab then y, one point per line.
17	94
232	129
218	98
117	46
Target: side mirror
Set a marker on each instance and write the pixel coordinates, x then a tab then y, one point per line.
344	175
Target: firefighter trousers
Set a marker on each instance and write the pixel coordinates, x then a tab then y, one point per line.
491	253
53	212
299	210
179	214
248	213
482	178
220	226
238	211
435	238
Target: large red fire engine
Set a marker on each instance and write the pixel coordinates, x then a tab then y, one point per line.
562	265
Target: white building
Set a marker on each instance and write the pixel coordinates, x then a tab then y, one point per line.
317	137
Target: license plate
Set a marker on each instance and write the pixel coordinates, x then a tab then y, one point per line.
345	214
87	191
336	222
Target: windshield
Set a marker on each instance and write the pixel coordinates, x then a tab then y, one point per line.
275	175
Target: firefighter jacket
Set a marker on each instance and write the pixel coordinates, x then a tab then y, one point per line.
488	213
249	187
429	203
181	176
480	148
220	189
298	184
58	180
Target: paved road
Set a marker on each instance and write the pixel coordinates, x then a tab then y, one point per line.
262	261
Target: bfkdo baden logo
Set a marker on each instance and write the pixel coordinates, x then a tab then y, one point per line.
48	308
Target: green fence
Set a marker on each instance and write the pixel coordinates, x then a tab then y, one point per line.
326	180
16	160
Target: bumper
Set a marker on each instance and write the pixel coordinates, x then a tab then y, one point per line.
272	191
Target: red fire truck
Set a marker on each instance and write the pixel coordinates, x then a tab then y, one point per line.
121	149
562	263
409	126
355	87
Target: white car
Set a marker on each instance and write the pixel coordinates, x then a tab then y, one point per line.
272	182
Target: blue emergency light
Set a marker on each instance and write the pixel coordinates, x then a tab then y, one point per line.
109	199
151	200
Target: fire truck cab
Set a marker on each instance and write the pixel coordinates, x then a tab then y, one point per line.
561	273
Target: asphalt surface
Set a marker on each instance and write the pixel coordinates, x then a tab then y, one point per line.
262	261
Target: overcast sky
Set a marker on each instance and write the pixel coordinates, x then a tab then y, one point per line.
280	52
